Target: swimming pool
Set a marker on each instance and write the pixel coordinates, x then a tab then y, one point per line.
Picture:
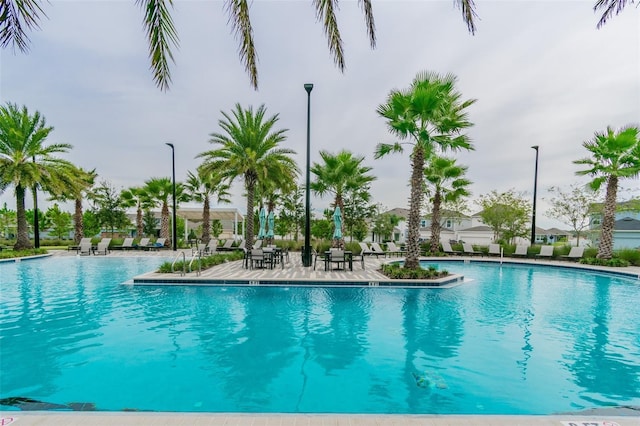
514	340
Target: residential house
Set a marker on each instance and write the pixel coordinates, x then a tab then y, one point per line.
626	229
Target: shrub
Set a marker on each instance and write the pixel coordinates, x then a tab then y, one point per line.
396	271
614	262
10	254
205	262
630	255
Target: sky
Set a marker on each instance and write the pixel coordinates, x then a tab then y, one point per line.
542	74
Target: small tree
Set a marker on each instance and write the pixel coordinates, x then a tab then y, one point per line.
7	221
507	213
108	208
149	223
573	207
383	224
61	223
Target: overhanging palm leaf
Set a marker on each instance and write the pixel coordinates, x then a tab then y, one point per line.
610	7
14	17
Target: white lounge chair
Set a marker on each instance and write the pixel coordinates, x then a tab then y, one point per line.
377	250
126	244
446	247
468	249
143	244
576	253
227	245
85	248
546	251
521	251
393	249
103	247
495	250
365	250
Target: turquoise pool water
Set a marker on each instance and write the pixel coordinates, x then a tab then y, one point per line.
514	340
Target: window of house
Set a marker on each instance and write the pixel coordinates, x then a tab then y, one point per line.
423	223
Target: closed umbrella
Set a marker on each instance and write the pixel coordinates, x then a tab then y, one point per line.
263	220
271	220
337	221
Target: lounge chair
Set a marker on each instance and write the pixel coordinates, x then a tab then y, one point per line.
468	249
257	244
85	248
495	250
126	245
446	247
103	247
377	250
365	250
200	249
85	241
227	245
521	251
211	247
160	242
546	251
393	249
143	244
575	254
241	246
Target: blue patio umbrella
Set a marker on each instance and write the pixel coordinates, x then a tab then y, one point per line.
337	221
263	220
271	221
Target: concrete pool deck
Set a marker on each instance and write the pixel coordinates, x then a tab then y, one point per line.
294	271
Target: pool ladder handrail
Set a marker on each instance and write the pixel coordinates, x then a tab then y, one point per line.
184	264
195	256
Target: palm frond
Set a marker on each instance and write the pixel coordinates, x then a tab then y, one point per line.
325	12
610	7
241	23
15	15
368	17
383	149
162	35
468	14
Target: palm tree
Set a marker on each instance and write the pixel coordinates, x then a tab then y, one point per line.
77	190
136	197
159	191
249	148
445	183
163	37
201	187
26	162
430	116
339	173
614	156
610	7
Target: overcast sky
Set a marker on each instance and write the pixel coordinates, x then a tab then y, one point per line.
541	72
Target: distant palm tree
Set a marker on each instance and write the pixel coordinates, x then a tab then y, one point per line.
26	162
445	183
201	187
248	147
159	191
162	36
338	174
136	197
615	155
77	191
430	116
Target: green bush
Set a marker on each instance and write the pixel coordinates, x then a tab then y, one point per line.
10	254
614	262
205	262
395	271
630	255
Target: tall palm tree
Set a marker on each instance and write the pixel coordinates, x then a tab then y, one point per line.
248	147
429	116
26	162
338	174
136	197
77	190
445	182
17	16
159	191
201	187
615	155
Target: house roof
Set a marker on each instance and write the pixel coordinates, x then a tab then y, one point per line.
479	228
399	211
627	224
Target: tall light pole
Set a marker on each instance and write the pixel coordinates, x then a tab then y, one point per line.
174	233
535	193
306	251
36	222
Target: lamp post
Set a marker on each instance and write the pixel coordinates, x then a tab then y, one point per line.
306	253
174	233
535	193
36	223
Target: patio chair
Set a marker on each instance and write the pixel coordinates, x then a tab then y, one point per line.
545	251
338	256
126	245
160	243
446	248
261	258
257	244
521	251
143	243
377	250
393	249
211	247
468	249
103	247
365	250
495	250
199	249
85	248
575	254
86	240
227	245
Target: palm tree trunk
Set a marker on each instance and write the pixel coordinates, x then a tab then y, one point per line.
250	185
22	239
206	222
78	232
164	224
139	222
412	260
605	249
435	223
